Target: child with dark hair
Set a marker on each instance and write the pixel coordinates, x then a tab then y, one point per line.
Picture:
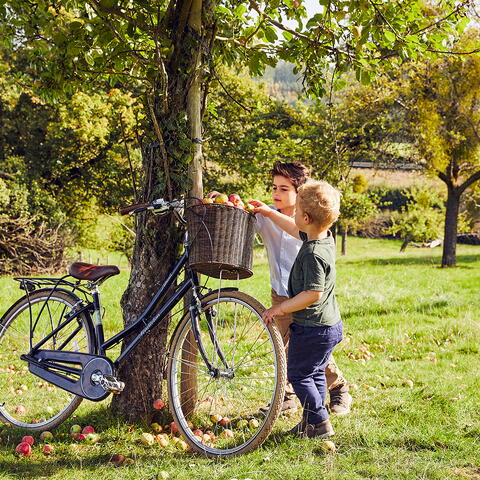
282	249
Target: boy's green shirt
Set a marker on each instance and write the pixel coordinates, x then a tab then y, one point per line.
314	269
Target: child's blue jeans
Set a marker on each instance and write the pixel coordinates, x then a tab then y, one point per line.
309	351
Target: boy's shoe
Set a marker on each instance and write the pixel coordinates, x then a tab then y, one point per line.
319	430
289	405
299	428
340	400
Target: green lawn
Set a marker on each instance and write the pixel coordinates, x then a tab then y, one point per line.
405	319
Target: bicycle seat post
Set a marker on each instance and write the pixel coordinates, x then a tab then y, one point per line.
97	314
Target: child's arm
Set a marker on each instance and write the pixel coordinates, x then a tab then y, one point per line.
298	302
283	221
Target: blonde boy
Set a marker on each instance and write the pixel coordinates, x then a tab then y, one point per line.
317	325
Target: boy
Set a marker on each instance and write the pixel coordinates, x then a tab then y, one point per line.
317	326
282	250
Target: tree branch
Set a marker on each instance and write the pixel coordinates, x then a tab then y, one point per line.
434	24
163	150
474	178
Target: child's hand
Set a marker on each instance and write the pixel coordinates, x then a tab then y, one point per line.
260	208
213	194
269	315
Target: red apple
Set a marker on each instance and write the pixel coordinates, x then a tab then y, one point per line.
224	421
20	410
47	449
230	204
173	427
28	439
227	433
197	432
79	437
88	429
24	449
234	198
118	459
158	404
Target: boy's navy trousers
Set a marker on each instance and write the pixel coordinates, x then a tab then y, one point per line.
309	351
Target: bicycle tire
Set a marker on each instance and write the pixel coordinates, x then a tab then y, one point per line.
44	406
243	397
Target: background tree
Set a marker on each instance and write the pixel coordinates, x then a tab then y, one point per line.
444	111
167	51
357	207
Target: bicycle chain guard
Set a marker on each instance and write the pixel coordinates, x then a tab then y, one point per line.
49	365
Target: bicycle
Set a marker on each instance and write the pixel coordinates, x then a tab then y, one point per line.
224	364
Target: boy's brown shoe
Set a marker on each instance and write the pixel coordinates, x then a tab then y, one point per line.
299	428
319	430
340	400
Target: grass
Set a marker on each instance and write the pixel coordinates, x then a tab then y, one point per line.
405	319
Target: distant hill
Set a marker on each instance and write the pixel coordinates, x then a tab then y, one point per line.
282	83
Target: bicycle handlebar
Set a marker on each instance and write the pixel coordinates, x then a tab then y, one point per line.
158	206
132	208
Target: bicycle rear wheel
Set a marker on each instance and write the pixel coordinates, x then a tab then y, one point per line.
26	400
232	412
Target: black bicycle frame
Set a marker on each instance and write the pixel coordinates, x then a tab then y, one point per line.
143	324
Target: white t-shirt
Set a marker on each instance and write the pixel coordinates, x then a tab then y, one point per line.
282	250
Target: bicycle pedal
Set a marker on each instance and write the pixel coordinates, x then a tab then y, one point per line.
109	383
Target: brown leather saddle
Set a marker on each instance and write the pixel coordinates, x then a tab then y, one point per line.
92	273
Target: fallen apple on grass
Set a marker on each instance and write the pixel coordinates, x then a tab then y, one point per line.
156	427
46	436
147	439
328	446
20	410
158	404
92	438
118	459
23	449
88	429
253	423
47	449
28	439
227	433
75	429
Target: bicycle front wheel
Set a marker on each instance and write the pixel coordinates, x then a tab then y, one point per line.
232	410
26	400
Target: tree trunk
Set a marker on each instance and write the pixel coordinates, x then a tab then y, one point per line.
406	241
154	254
175	113
344	240
449	257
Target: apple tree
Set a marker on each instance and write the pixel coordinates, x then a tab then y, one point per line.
167	52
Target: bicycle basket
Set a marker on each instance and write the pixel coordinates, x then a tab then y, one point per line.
221	240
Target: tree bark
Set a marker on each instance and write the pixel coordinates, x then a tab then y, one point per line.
449	257
406	241
344	239
167	168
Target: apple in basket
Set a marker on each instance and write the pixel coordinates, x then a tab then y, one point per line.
207	200
236	200
222	198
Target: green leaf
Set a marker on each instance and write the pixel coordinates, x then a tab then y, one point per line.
89	58
270	34
389	35
240	11
287	36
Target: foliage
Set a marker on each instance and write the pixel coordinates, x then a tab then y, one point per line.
421	220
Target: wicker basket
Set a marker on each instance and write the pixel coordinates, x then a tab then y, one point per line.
221	240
